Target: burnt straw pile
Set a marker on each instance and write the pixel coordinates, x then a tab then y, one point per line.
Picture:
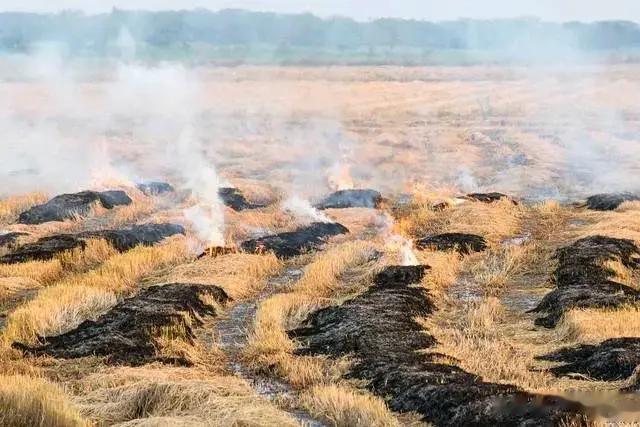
488	197
611	360
583	280
8	240
294	243
128	333
48	247
66	206
462	243
155	188
379	329
233	198
609	201
357	198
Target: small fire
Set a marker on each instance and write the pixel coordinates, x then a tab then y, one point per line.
339	177
398	243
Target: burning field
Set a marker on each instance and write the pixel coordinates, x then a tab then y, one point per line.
340	247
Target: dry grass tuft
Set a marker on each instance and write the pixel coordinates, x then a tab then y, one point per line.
591	325
43	272
499	266
13	206
269	347
240	275
144	396
62	307
26	401
445	267
473	334
343	406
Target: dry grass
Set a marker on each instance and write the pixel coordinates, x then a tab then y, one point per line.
445	267
494	221
594	325
270	349
474	334
345	407
141	208
151	396
59	308
13	206
497	268
26	401
240	275
43	272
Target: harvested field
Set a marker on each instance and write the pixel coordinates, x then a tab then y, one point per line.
362	246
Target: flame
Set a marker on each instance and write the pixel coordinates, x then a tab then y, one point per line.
339	177
397	243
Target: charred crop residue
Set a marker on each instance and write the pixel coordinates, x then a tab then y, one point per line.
461	242
233	198
127	333
66	206
155	188
488	197
379	329
358	198
583	281
609	201
294	243
611	360
122	240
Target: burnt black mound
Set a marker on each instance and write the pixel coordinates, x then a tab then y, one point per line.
378	328
611	360
155	188
294	243
48	247
357	198
488	197
582	280
66	206
609	201
144	234
9	239
126	333
233	198
461	242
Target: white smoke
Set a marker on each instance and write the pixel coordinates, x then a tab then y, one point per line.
302	209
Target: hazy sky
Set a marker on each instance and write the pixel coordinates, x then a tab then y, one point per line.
555	10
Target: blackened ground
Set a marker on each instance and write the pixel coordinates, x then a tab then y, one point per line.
43	249
126	334
488	197
128	238
460	242
9	239
66	206
233	198
358	198
609	201
294	243
401	274
154	188
379	329
582	280
122	240
611	360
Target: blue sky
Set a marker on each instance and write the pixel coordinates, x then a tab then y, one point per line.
554	10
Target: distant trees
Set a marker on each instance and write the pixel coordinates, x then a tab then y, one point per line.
93	34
